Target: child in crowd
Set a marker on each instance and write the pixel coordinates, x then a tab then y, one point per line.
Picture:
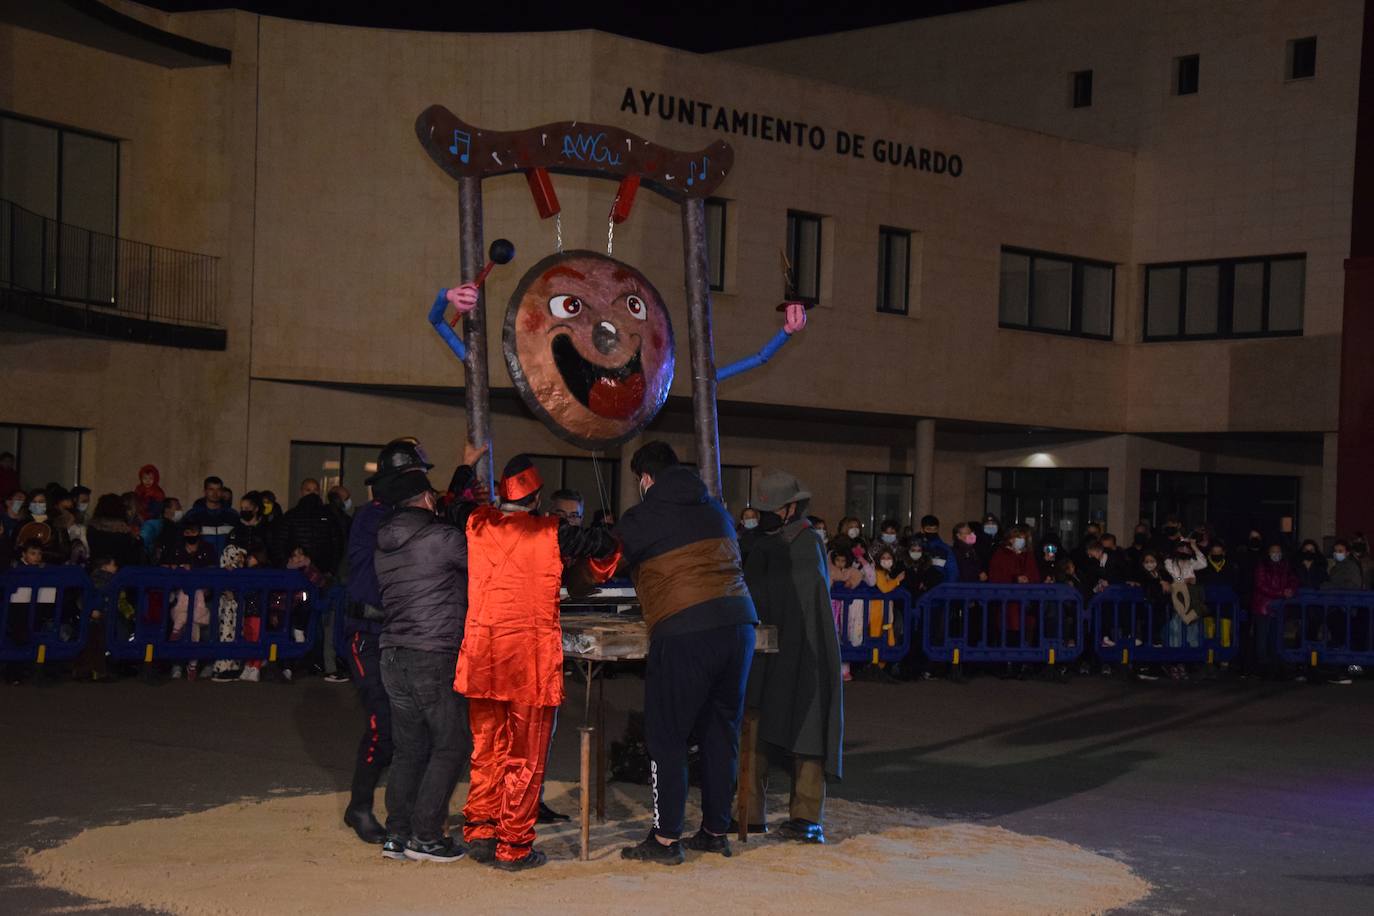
224	669
890	575
192	553
90	664
148	495
850	570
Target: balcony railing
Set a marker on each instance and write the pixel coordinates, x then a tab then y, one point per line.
119	277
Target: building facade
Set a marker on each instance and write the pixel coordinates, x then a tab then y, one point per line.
1078	277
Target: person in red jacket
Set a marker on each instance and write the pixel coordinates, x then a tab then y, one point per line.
1013	564
511	664
148	495
1274	580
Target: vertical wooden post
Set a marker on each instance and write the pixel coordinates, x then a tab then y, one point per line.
746	775
585	812
477	383
703	356
601	749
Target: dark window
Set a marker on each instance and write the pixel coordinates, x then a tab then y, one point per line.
1302	58
42	454
1186	75
736	483
1243	297
1082	91
894	270
715	242
1057	293
332	464
596	479
1232	504
871	497
65	175
1058	501
803	256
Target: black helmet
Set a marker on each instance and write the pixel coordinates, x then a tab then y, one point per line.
399	455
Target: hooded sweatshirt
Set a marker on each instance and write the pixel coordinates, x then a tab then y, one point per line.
681	551
149	497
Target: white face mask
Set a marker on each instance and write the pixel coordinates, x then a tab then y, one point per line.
821	532
750	523
1276	557
1149	567
16	506
1338	556
853	534
990	530
889	538
937	562
887	563
1018	543
177	514
915	554
82	507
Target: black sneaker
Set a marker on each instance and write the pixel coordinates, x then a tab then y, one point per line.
532	859
549	816
365	825
444	849
483	851
651	850
394	848
801	831
702	841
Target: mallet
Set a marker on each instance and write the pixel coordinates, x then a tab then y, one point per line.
500	252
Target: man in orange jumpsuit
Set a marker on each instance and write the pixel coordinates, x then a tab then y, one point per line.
511	664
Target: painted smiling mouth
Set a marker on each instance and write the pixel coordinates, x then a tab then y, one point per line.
615	393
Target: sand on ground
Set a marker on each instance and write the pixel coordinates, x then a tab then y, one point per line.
291	854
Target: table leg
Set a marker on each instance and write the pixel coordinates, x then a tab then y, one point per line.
585	814
746	747
601	749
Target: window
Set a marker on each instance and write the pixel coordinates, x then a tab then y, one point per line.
1081	88
62	174
1186	71
803	256
1302	58
715	242
894	270
1231	503
43	454
1059	501
871	498
1056	293
595	479
332	464
1205	300
736	485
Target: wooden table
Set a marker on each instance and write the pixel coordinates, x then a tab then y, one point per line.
606	627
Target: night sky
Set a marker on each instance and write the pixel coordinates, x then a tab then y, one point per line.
703	27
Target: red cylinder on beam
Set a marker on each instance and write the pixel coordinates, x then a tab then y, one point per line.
624	199
541	188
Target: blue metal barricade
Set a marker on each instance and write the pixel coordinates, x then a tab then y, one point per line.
1127	628
45	612
982	622
1325	627
874	627
180	614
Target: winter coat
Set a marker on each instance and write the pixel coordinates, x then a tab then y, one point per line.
1006	564
682	554
310	525
1345	575
937	549
1313	576
1271	581
970	561
215	524
110	537
798	692
362	548
148	499
422	573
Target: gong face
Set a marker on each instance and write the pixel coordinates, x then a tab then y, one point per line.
590	347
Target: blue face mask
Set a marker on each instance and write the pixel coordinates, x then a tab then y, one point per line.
38	509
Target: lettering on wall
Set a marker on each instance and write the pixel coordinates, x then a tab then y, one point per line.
889	151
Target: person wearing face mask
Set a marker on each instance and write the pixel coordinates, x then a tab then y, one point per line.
1274	580
747	531
681	552
1311	566
341	511
796	696
81	496
818	526
887	536
849	535
967	556
194	552
1013	563
1343	573
109	535
162	536
43	527
1153	579
890	573
16	514
941	554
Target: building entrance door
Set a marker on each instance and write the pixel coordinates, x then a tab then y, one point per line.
1055	503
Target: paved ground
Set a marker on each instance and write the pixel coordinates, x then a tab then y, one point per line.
1230	797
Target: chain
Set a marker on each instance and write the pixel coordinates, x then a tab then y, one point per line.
610	236
558	232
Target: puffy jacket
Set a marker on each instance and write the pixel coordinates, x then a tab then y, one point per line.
310	525
681	550
1006	564
422	573
1344	575
1271	581
215	524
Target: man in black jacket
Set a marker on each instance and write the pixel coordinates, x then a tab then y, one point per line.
421	565
310	525
680	547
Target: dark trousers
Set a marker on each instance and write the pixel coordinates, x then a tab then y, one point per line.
694	686
429	731
374	749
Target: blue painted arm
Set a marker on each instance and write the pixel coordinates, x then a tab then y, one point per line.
436	318
769	350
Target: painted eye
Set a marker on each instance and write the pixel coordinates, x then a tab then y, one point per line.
565	306
636	307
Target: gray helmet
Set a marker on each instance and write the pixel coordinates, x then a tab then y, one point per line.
399	455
